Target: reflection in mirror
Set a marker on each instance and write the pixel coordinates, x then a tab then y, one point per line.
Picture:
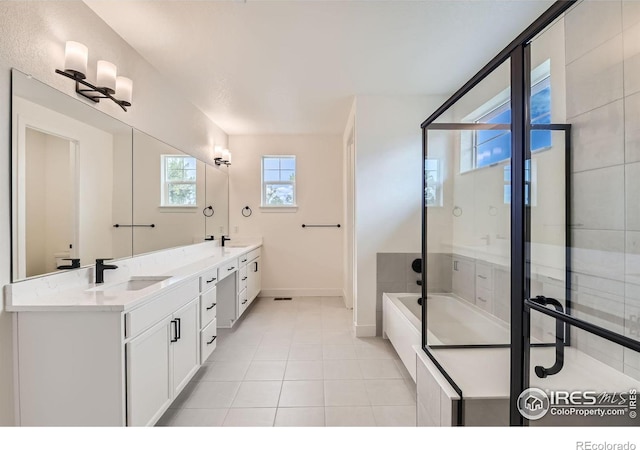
71	181
217	197
169	196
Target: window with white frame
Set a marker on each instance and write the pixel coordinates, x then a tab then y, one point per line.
178	177
483	148
279	181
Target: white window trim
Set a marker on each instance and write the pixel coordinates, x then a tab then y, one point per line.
540	73
278	208
164	191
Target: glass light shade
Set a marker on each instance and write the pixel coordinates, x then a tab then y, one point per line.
75	59
106	77
226	155
217	152
124	89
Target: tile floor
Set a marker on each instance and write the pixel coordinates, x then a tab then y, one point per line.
297	363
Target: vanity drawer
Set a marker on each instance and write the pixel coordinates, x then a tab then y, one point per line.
208	341
243	302
207	307
208	279
484	299
243	260
253	254
160	307
242	278
484	276
227	269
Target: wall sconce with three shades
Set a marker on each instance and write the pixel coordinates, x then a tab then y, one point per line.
108	84
221	156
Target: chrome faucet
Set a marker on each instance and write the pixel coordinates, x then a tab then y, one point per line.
101	267
224	238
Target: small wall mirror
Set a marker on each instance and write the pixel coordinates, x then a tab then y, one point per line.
71	181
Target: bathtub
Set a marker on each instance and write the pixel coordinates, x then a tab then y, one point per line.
452	321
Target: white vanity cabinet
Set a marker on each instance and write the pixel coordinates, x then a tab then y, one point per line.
107	368
254	276
208	313
463	278
243	299
249	279
112	356
160	363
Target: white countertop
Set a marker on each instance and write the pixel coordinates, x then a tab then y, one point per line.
92	297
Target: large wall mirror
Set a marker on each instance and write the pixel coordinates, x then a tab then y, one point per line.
87	186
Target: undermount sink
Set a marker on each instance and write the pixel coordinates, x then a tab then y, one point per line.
133	284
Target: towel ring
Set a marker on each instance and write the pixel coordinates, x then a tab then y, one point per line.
246	211
457	211
204	211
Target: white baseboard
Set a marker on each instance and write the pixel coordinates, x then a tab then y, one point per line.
301	293
365	330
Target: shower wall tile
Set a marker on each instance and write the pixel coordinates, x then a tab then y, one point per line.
391	267
632	126
605	351
590	25
595	79
605	310
391	287
599	134
632	196
597	200
632	257
631	49
599	253
630	13
581	280
439	272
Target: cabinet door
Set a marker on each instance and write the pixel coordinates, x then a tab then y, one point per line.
464	283
253	279
148	368
184	344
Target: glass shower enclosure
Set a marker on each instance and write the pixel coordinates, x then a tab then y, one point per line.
530	296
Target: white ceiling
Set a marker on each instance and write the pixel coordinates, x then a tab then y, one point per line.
278	67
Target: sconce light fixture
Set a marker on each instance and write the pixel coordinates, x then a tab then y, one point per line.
221	156
108	84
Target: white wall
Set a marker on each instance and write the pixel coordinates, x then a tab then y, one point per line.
33	37
296	261
388	188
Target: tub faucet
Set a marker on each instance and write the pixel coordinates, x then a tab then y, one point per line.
101	267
